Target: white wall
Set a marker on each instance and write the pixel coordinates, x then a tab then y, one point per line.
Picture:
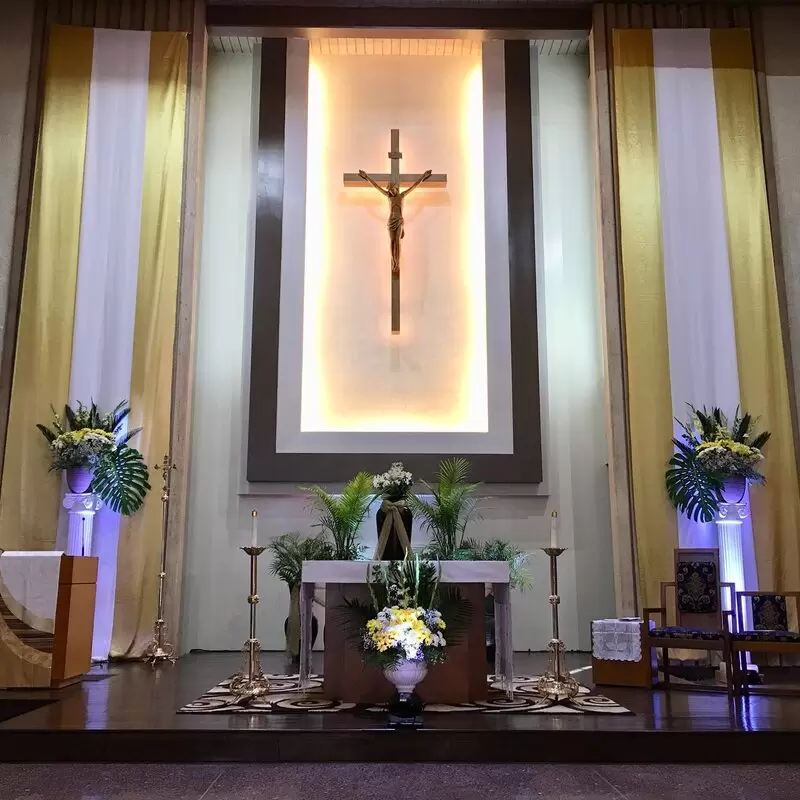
215	611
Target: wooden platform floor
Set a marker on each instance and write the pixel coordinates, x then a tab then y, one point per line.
127	713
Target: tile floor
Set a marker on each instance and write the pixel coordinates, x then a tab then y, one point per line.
365	782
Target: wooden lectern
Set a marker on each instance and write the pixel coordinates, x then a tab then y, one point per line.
46	618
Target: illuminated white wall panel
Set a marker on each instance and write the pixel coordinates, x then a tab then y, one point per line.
345	383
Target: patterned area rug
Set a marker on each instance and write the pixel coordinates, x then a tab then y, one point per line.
286	697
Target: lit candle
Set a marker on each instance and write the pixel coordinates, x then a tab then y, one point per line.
254	530
554	529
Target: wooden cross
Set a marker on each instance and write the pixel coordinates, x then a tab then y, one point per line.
395	181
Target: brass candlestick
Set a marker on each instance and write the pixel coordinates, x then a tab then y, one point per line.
556	683
251	683
160	650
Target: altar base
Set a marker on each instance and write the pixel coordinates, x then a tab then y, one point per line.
460	679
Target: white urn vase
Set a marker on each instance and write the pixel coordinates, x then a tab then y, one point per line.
405	675
733	489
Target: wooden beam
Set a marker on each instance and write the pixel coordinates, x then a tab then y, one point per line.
353	179
251	19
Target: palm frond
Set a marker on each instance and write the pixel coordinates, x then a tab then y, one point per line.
47	433
69	416
343	514
290	550
125	438
761	440
452	507
500	550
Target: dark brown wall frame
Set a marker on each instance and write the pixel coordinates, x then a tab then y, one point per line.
248	19
524	465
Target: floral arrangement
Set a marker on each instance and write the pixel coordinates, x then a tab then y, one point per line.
86	438
405	619
711	451
394	483
81	448
415	634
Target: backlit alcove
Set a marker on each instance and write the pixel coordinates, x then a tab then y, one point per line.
298	377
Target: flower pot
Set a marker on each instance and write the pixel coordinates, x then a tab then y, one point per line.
79	479
405	675
733	489
291	626
394	549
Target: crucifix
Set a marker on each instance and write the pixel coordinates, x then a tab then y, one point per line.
395	224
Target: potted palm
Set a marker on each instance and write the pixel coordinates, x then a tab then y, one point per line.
288	554
452	505
341	515
92	449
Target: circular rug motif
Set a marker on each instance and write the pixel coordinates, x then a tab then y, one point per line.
529	702
311	704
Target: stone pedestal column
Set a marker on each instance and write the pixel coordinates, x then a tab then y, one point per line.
731	557
82	509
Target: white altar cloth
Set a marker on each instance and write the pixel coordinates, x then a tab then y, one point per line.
494	572
29	586
618	639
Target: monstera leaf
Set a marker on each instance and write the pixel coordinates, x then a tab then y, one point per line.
692	489
121	480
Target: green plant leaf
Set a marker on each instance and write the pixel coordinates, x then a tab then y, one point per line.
691	488
291	550
341	515
47	433
121	480
447	515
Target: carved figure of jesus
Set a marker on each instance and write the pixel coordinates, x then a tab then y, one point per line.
395	224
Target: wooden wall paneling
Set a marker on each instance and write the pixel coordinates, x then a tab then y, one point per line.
149	14
162	14
174	16
183	358
102	15
694	16
622	522
125	14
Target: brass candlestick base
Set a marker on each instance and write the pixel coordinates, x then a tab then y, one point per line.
556	683
159	650
251	683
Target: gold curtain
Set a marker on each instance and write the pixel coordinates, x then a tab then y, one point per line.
644	309
151	373
29	503
763	382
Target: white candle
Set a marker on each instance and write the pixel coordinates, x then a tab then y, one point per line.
554	529
254	530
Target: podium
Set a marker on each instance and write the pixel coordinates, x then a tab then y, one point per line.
46	618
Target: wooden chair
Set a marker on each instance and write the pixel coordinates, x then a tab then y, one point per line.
701	623
770	631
